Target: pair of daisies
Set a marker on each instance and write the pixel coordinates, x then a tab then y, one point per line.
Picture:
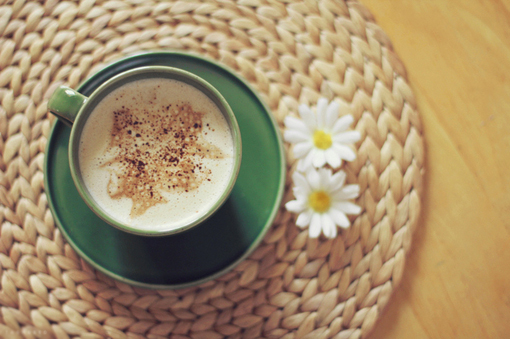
322	198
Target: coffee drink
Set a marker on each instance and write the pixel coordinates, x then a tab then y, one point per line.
156	154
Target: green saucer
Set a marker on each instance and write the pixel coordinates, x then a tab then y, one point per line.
205	251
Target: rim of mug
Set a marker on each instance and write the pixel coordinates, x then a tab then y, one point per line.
156	72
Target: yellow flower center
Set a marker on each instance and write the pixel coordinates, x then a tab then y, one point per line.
319	201
322	140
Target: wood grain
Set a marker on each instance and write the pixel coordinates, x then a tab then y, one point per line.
457	279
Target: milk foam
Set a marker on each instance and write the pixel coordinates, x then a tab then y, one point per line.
98	167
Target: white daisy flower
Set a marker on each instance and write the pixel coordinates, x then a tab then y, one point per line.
321	138
322	201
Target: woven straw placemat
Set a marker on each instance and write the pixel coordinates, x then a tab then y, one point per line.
291	286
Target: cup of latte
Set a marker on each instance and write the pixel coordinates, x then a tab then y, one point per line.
153	151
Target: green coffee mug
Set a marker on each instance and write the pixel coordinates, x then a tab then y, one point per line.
75	110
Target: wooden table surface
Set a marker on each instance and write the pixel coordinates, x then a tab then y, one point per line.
457	278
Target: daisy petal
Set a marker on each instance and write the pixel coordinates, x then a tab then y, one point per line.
295	206
314	179
347	207
347	192
304	219
349	137
301	149
334	230
322	105
319	158
342	196
344	152
300	194
338	180
305	164
300	181
332	114
325	177
342	124
353	188
332	158
339	218
294	136
327	225
308	117
296	124
315	226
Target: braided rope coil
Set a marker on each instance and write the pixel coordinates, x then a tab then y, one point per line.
291	286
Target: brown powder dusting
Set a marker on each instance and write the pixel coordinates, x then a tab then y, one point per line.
157	150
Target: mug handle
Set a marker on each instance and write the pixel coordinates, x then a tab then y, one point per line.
65	103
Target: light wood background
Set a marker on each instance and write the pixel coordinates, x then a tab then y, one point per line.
457	278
